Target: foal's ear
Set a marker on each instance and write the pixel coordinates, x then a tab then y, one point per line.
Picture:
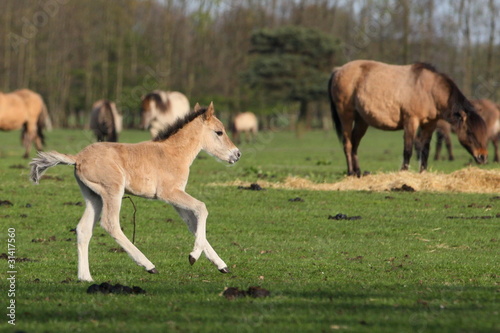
210	111
197	107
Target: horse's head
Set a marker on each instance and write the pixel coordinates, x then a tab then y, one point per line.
472	135
147	112
214	137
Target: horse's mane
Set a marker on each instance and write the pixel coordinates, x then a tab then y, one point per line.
456	100
178	125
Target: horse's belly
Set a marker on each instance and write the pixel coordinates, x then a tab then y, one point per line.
11	123
384	120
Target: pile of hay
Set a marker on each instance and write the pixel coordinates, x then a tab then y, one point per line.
470	180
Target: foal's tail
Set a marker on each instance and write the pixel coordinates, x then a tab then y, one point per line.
46	160
333	106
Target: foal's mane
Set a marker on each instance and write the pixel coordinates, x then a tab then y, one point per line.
179	124
456	100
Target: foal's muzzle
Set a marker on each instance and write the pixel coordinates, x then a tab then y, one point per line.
235	156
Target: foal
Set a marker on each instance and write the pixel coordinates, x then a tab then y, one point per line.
157	169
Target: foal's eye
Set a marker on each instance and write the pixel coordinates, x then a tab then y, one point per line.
219	133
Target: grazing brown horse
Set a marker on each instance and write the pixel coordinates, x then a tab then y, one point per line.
24	109
160	109
489	111
389	97
247	123
105	121
156	169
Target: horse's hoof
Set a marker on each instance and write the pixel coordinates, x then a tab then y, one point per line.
153	271
192	260
224	270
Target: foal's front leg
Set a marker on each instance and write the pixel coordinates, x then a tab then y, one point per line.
194	213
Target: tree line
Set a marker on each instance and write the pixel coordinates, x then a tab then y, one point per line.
76	52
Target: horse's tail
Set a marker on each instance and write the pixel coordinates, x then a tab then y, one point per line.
44	119
46	160
333	106
110	124
43	122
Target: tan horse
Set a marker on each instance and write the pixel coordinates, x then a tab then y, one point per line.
24	109
247	123
105	121
489	111
156	169
160	109
388	97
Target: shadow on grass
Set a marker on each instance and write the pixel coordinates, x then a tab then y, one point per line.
317	307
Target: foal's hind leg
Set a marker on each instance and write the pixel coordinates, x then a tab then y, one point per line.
110	221
93	207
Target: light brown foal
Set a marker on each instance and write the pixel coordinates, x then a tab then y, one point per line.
157	169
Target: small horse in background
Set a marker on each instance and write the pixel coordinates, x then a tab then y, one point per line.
247	123
390	97
24	109
157	169
489	111
105	121
160	109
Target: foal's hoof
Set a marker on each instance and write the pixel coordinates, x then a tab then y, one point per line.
153	271
192	260
224	270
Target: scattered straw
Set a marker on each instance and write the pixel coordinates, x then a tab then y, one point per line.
469	180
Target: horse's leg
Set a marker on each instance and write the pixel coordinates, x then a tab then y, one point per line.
39	139
358	132
439	144
347	144
110	221
425	136
93	207
194	213
418	145
449	148
30	137
254	134
494	141
410	130
26	140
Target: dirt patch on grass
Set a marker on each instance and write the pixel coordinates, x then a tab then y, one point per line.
469	180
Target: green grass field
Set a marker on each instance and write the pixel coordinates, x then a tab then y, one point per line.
404	266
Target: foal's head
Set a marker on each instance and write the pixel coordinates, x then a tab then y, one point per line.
214	137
